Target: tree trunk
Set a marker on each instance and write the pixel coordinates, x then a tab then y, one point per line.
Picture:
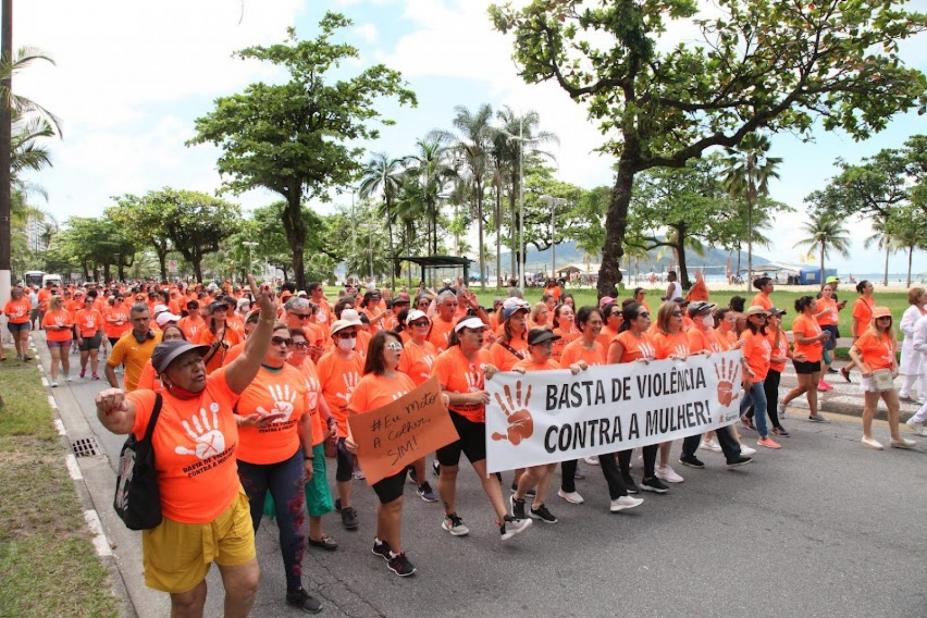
106	272
680	249
822	266
513	207
162	260
497	216
197	264
887	252
479	233
389	235
910	255
737	271
616	223
295	234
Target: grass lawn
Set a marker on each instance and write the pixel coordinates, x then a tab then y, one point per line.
896	301
48	566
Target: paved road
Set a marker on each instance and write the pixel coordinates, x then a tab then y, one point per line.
822	527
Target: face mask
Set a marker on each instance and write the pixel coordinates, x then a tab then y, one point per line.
708	321
347	345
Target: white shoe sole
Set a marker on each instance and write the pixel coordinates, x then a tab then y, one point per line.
455	532
577	500
615	508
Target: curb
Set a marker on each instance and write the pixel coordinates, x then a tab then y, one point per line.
101	543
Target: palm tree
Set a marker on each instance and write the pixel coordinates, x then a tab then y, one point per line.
826	233
474	144
432	168
515	141
749	168
384	175
20	106
882	239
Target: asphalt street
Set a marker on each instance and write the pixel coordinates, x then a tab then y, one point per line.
822	527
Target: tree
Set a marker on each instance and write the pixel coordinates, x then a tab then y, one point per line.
144	219
825	233
95	243
432	167
292	138
383	175
196	223
907	229
882	239
749	168
761	64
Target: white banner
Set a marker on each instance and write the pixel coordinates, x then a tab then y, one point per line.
549	416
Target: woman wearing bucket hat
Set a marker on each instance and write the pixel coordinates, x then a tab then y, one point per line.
417	359
462	370
874	353
339	372
206	515
757	353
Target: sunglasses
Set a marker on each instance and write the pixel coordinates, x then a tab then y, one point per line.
344	334
302	316
419	323
281	340
645	314
395	346
298	344
677	314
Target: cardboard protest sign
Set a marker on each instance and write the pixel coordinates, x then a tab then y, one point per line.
392	437
549	416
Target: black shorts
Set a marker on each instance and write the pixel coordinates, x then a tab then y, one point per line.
390	488
803	368
345	460
112	341
472	442
90	343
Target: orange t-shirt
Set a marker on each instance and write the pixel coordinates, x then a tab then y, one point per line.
149	378
762	300
529	365
877	350
116	321
575	352
699	291
314	334
778	349
439	333
566	336
671	344
338	378
503	359
807	327
757	351
191	326
636	348
416	360
375	391
133	356
459	375
18	310
44	295
313	392
194	445
606	336
272	392
828	306
862	315
700	340
59	317
207	337
89	322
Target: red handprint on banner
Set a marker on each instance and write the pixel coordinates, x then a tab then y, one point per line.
726	372
521	425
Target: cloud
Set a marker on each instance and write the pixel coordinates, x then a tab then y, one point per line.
368	32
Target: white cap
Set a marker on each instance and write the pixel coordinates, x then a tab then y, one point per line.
159	309
413	315
471	323
166	316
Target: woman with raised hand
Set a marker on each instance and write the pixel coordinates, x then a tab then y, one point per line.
417	359
911	359
382	384
58	324
809	341
462	370
874	354
206	517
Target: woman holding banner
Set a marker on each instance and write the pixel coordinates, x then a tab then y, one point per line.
382	384
462	370
590	350
634	344
670	341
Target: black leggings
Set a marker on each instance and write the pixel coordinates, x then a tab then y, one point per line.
650	461
771	388
616	487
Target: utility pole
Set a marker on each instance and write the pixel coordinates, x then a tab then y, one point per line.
6	57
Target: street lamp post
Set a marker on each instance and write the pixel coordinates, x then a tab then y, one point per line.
553	202
250	244
520	139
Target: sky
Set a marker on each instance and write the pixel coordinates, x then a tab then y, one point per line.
130	78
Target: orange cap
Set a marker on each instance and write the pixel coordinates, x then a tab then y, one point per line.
881	312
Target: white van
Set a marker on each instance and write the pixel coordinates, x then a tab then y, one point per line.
55	279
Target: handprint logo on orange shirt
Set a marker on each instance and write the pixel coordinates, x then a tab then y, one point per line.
521	425
351	378
726	372
208	440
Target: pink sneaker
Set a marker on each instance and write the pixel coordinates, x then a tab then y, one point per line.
824	386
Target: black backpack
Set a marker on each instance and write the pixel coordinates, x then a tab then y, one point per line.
138	499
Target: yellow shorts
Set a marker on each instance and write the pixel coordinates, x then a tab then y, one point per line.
177	556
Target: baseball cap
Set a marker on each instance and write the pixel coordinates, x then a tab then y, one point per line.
699	306
167	352
832	279
881	312
541	335
756	310
511	305
166	316
777	311
414	315
471	323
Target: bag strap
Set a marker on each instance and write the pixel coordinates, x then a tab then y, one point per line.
515	352
155	413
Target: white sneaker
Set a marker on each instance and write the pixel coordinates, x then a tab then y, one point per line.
780	410
666	473
54	383
624	502
747	451
917	428
592	461
903	443
572	497
67	379
710	445
872	443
